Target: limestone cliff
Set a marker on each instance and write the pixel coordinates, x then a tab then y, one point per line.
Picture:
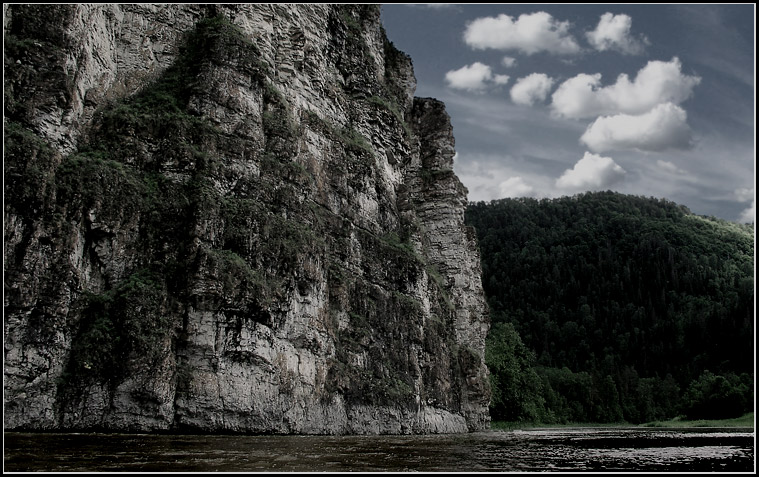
232	218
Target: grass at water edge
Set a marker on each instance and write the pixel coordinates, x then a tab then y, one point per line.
745	421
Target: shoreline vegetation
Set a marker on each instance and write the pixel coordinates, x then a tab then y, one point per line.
745	421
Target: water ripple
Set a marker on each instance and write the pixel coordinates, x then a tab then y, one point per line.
579	449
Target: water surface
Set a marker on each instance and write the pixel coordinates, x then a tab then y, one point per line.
580	449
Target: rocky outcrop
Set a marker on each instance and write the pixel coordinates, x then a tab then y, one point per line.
232	218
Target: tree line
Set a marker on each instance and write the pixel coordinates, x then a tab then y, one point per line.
608	307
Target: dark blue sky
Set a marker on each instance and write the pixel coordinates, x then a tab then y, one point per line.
680	125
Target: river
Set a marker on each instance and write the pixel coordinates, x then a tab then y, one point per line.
576	449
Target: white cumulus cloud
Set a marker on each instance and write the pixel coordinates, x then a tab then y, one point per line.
474	77
515	187
471	77
592	172
531	89
509	62
530	33
613	33
664	127
501	79
658	82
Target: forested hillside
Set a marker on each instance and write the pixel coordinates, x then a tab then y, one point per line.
608	307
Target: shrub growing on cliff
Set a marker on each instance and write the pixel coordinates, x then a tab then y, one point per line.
28	167
128	324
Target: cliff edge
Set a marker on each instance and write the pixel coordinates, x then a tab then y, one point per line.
232	218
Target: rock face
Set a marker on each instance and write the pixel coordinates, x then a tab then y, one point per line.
232	218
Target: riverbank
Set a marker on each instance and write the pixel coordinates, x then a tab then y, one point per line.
745	421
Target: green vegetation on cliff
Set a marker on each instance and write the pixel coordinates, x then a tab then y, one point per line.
179	213
609	308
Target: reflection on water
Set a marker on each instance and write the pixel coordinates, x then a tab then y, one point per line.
728	450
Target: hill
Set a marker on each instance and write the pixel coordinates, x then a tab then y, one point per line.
609	307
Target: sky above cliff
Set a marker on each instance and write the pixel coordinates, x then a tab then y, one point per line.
552	100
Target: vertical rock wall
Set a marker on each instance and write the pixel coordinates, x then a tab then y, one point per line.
232	218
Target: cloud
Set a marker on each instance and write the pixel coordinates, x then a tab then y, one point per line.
592	172
509	62
669	167
529	34
531	89
516	187
501	79
744	195
470	77
498	174
657	82
664	127
613	33
474	77
749	214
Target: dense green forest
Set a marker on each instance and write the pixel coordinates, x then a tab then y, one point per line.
608	307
